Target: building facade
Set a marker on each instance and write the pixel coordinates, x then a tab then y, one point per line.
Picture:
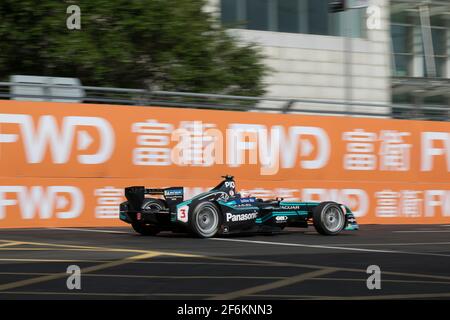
383	53
421	55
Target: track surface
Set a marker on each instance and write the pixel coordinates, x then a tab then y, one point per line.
296	264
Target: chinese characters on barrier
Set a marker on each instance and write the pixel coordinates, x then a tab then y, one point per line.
393	153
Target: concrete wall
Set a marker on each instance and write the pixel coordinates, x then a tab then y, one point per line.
314	66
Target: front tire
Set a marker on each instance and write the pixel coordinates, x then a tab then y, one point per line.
328	218
205	220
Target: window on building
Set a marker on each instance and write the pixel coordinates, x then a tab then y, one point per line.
400	17
436	100
295	16
318	16
257	14
439	20
439	36
289	16
408	45
402	49
403	98
439	52
350	23
229	11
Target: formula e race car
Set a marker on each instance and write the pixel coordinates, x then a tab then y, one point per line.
223	211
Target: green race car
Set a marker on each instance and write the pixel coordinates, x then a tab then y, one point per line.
222	210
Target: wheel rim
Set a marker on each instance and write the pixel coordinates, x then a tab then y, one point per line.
333	219
207	220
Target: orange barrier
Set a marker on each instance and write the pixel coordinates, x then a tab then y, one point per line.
57	160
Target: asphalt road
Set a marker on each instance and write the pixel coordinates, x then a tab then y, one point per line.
116	263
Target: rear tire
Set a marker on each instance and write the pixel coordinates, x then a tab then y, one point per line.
205	220
149	229
328	218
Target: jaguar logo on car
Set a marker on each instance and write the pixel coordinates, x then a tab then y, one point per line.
241	217
280	219
290	207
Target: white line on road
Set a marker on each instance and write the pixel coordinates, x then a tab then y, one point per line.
90	230
305	245
422	231
333	247
60	275
106	294
396	244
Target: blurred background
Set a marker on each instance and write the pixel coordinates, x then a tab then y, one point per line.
380	58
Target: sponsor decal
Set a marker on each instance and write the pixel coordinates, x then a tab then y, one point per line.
241	217
243	205
280	219
229	184
290	207
173	192
42	202
39	135
247	200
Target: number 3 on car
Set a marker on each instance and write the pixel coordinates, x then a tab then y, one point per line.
182	214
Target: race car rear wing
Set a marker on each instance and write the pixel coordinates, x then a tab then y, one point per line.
154	191
136	195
